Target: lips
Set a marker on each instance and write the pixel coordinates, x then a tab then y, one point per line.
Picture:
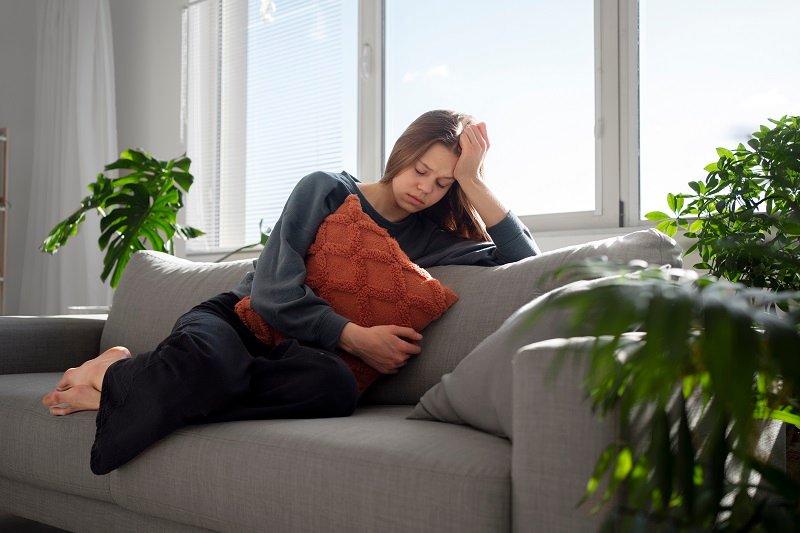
416	201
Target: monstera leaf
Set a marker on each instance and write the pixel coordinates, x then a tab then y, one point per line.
138	210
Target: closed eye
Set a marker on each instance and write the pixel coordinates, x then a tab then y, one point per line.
443	184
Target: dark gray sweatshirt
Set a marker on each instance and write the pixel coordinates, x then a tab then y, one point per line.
277	287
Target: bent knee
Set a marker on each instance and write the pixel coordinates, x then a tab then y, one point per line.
336	386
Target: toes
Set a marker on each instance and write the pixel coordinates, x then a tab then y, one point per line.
61	411
66	380
46	399
78	398
51	398
55	399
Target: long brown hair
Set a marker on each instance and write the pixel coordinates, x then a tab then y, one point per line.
453	213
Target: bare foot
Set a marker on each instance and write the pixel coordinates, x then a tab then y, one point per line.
92	371
72	400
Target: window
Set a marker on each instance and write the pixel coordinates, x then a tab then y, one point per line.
271	96
596	109
731	66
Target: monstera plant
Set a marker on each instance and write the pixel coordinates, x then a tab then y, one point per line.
138	210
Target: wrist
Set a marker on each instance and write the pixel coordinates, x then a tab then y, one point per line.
347	340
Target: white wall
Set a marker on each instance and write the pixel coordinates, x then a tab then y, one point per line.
147	57
147	63
17	83
147	53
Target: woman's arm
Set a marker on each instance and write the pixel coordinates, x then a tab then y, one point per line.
474	143
511	240
279	293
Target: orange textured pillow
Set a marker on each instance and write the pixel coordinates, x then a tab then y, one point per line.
360	270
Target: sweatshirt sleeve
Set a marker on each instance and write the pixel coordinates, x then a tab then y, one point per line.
279	293
511	241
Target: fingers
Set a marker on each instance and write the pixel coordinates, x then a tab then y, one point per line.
481	126
476	134
407	333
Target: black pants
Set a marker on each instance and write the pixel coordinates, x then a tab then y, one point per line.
211	368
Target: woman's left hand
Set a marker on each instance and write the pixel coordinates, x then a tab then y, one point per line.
474	143
468	172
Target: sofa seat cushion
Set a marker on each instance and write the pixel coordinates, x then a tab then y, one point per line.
373	471
43	450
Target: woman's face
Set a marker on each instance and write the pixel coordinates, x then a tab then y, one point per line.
426	181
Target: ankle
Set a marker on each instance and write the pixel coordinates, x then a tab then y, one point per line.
98	373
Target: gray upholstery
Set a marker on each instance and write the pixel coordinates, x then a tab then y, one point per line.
51	452
156	289
364	473
375	471
478	392
77	339
77	513
488	296
566	436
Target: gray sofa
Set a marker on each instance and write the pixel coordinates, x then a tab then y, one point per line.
373	471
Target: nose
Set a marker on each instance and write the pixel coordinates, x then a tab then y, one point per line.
424	186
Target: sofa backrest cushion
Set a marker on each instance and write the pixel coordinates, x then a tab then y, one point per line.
155	289
489	295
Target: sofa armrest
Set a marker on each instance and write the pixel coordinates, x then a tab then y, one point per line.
556	439
47	343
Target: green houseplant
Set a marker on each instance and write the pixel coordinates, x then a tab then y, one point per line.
744	218
137	209
709	347
714	344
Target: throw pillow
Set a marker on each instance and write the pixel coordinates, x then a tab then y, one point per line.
478	391
361	271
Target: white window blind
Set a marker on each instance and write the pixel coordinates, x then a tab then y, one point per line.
270	96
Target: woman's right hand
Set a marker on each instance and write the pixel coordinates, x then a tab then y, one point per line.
384	348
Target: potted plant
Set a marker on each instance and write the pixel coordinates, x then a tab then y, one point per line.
137	209
744	218
716	343
707	347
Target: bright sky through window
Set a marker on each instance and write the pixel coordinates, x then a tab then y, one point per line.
711	73
525	68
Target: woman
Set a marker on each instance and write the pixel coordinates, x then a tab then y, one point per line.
432	200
